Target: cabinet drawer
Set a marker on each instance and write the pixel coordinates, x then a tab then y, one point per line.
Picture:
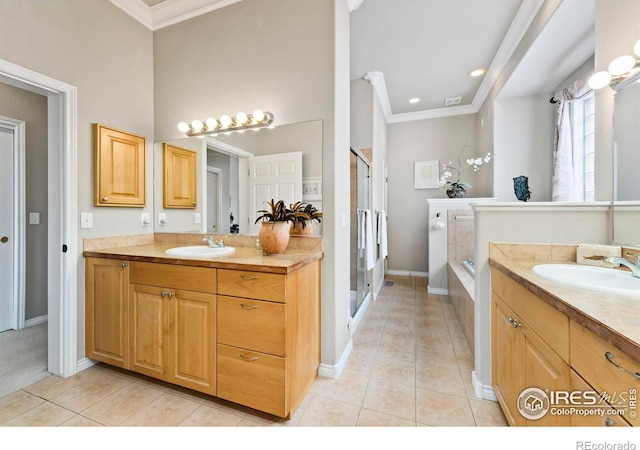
588	358
258	285
198	279
538	314
579	420
252	324
252	379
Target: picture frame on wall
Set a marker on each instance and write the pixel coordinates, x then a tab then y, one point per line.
426	175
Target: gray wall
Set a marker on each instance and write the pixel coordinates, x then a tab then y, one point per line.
32	109
110	61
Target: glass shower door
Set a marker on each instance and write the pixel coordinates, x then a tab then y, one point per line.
359	203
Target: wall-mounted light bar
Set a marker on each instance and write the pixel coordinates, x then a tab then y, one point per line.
227	124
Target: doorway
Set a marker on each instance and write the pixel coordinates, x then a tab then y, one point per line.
62	249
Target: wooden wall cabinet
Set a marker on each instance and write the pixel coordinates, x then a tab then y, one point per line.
179	177
119	168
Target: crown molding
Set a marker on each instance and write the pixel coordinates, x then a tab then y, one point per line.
354	4
169	12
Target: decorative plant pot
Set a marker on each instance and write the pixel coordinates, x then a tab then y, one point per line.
274	237
298	230
456	192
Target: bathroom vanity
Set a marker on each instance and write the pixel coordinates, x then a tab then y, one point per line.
561	339
243	327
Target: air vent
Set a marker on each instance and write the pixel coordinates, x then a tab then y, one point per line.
452	101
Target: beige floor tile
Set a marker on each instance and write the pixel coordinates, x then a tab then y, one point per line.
360	362
90	391
440	379
348	388
445	410
439	356
369	418
487	413
44	415
80	421
16	404
465	360
394	370
168	410
122	404
206	416
391	398
55	385
325	412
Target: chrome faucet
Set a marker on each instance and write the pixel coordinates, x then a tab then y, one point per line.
212	243
634	267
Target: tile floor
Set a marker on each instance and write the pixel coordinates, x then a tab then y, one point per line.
410	366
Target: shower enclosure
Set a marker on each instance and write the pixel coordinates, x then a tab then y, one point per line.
359	203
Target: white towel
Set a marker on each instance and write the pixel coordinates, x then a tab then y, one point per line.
369	256
382	234
362	245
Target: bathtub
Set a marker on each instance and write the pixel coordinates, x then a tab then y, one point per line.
461	292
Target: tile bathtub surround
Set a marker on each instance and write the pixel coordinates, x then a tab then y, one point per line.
410	367
460	235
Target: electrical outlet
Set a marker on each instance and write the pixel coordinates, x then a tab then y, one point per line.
86	220
198	218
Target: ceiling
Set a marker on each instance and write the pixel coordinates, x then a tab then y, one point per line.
426	48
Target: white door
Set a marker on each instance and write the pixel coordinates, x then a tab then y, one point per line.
6	230
273	177
213	208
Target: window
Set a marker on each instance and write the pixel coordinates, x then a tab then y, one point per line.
582	114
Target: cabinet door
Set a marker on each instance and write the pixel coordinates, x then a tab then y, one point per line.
148	324
120	168
193	340
544	369
179	180
106	315
507	372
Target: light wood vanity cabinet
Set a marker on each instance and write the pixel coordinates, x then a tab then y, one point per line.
536	345
268	337
172	324
106	311
522	358
249	337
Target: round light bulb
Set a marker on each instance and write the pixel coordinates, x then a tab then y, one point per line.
599	80
241	118
622	65
258	115
211	123
636	48
225	121
183	126
196	125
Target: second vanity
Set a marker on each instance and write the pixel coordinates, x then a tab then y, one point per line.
243	327
576	348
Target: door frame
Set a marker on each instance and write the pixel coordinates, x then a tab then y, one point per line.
62	279
18	246
218	172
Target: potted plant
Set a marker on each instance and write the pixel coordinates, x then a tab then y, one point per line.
458	188
304	214
274	233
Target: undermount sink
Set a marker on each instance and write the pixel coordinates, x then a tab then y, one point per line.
200	251
601	279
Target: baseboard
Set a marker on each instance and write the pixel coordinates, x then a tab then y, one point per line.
481	390
334	371
408	273
84	363
36	321
437	291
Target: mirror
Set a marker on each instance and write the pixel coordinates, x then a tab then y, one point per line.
626	151
222	181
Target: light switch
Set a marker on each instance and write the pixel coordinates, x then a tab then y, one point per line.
86	220
162	219
34	218
145	219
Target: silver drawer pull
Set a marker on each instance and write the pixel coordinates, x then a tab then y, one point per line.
610	357
248	306
514	323
248	277
254	358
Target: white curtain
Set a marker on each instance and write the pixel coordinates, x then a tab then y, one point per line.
563	166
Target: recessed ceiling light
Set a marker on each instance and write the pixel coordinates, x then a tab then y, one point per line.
414	100
478	72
